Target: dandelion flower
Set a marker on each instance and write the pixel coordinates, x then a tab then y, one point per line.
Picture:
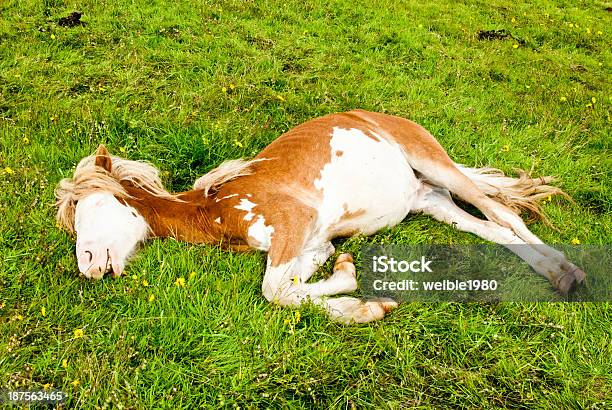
298	316
145	283
43	311
505	148
75	382
594	100
78	333
26	140
232	86
513	20
9	170
575	241
46	386
151	297
515	46
571	25
180	282
64	363
563	99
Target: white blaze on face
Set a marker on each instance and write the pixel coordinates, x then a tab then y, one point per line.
246	205
107	233
260	234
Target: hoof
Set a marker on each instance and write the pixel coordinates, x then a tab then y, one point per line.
570	279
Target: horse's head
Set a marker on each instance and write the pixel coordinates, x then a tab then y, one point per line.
94	205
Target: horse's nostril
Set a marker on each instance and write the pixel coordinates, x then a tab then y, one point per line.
90	255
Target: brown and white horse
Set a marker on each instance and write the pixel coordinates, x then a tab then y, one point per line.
338	175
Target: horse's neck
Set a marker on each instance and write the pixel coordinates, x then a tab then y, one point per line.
186	220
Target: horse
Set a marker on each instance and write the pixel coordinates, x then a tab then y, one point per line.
343	174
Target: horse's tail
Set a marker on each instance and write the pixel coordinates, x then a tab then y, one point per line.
521	194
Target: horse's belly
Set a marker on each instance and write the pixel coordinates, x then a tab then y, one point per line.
367	185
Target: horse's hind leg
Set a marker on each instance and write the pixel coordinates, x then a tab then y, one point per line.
438	203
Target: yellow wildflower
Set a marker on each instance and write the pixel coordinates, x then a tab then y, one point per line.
515	46
599	33
123	150
563	99
17	317
135	277
2	305
232	86
506	148
26	140
571	25
65	363
46	386
548	198
9	170
575	241
192	275
594	100
224	89
75	382
145	283
78	333
151	297
43	311
513	20
52	36
298	316
238	144
180	282
588	31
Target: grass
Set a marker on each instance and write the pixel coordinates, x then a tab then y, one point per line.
187	85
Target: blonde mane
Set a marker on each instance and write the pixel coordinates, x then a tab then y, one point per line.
227	171
89	178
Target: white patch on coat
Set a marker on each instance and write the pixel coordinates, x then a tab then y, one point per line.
225	197
246	205
218	220
371	178
260	234
107	233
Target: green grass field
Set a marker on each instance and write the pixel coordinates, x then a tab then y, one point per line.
187	85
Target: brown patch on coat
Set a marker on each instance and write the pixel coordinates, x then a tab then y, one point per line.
339	153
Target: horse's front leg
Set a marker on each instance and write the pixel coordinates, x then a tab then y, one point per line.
285	283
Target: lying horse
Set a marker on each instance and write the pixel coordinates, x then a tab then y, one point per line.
338	175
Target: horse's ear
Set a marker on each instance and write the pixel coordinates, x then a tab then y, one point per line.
103	158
